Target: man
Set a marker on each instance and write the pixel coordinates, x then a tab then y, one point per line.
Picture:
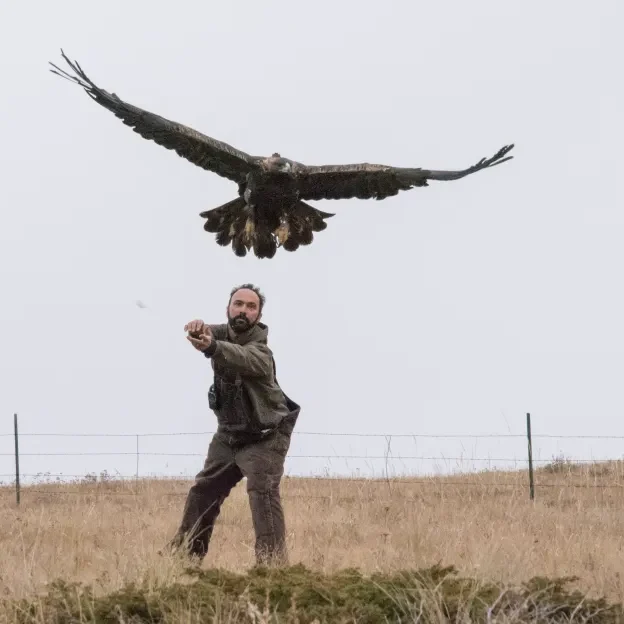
255	421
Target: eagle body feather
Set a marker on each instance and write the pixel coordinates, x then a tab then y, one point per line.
271	210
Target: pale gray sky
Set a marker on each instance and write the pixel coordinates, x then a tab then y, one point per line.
451	309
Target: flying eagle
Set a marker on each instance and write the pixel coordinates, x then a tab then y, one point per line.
270	210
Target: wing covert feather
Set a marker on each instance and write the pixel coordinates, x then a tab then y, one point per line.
373	181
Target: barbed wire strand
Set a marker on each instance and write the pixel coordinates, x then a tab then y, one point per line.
326	433
599	486
386	457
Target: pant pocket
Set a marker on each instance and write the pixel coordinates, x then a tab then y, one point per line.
280	443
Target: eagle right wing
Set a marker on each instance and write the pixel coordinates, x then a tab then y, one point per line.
366	181
201	150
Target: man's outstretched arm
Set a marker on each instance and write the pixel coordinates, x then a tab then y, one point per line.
254	359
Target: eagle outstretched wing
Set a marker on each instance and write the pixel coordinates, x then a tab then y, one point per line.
367	181
201	150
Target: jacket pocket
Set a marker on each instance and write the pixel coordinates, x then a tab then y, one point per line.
233	408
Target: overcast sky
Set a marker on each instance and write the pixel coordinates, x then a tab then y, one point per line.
454	309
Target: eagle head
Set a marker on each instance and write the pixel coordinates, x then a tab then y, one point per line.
276	164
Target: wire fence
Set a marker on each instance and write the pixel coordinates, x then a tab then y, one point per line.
503	471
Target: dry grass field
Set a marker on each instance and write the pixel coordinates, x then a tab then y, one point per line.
107	534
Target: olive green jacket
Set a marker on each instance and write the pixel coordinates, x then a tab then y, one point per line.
249	354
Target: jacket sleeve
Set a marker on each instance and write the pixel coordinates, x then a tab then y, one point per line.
219	331
253	359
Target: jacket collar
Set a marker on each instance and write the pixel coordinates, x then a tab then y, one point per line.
257	333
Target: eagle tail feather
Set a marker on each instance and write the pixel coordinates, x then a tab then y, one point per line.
227	222
234	224
264	242
301	224
222	216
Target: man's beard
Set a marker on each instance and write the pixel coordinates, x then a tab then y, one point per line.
239	323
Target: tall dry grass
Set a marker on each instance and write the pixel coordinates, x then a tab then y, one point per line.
109	533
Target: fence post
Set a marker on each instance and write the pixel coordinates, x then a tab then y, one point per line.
531	483
17	473
137	461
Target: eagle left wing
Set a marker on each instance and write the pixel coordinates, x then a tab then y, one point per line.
201	150
366	181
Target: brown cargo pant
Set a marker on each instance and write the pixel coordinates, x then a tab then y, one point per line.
227	462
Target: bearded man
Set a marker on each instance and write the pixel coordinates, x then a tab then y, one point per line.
255	422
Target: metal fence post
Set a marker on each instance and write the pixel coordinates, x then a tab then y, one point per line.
531	483
17	473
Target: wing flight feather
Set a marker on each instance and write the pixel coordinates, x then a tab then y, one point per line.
201	150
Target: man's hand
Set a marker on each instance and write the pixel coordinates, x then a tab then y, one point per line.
201	343
199	334
195	328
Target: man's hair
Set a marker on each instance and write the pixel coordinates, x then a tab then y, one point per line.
252	287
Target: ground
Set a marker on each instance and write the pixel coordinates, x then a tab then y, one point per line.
107	533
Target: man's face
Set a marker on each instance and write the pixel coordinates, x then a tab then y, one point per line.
244	310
